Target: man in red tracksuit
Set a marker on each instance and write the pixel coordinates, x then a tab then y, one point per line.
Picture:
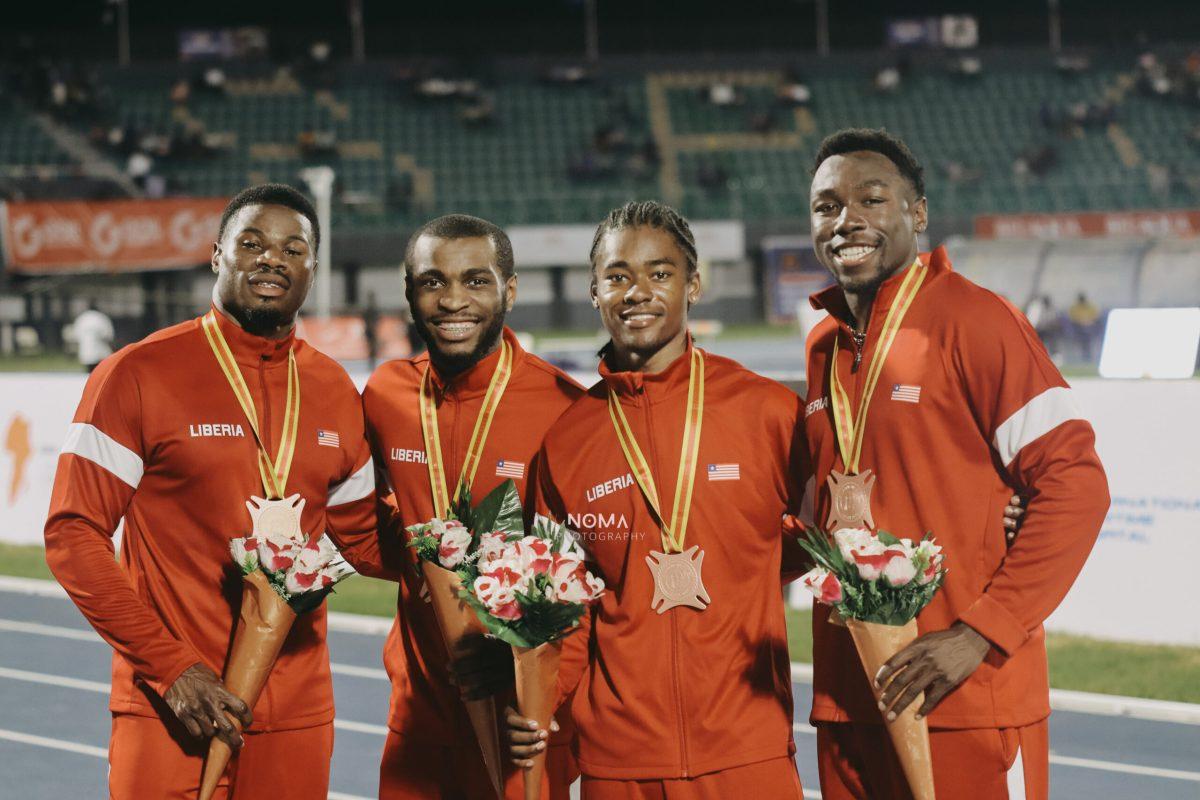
676	470
964	407
460	284
161	440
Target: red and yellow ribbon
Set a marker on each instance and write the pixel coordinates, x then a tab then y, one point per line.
674	530
850	427
442	501
274	473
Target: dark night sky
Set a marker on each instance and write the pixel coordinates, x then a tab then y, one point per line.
639	26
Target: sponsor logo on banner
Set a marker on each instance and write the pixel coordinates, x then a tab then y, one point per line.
906	393
1088	224
328	438
113	235
724	472
510	469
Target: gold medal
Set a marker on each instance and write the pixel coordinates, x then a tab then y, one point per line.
677	579
850	493
850	504
676	573
273	512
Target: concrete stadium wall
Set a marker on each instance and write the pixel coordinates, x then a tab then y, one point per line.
1137	585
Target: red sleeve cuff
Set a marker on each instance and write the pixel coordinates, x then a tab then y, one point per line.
169	677
996	624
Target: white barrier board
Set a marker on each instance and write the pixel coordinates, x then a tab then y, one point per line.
1137	585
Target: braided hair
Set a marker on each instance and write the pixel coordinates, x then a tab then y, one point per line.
650	214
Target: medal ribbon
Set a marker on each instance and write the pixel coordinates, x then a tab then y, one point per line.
850	427
442	501
274	474
674	531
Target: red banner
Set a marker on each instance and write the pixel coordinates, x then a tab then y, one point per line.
109	235
1088	225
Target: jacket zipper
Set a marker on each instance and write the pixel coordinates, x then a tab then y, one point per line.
683	743
860	343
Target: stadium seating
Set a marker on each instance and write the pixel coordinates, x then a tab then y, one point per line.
400	158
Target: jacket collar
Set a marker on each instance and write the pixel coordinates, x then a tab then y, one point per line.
250	349
629	383
833	299
475	379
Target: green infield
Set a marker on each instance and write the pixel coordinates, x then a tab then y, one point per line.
1076	662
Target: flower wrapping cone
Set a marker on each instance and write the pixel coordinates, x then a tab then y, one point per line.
263	624
876	643
536	671
456	620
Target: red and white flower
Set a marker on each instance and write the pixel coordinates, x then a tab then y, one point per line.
823	584
276	553
899	571
453	542
491	547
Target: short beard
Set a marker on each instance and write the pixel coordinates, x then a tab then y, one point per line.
262	320
870	287
453	363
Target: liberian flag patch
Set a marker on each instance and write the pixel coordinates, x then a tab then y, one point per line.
328	438
906	393
510	469
724	472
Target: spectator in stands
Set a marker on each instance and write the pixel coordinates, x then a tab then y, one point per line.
793	90
724	94
370	319
567	75
180	93
887	80
479	111
1084	317
94	334
1045	320
212	82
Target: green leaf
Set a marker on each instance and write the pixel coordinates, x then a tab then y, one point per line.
500	510
887	538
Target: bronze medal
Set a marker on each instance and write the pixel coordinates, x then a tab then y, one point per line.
276	519
677	580
850	500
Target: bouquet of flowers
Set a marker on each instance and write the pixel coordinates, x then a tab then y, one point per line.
448	551
530	592
285	575
877	584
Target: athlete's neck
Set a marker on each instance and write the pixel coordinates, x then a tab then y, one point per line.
649	361
453	366
267	329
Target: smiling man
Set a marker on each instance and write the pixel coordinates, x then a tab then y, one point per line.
170	435
460	284
676	470
964	407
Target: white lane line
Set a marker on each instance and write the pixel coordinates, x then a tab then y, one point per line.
82	635
103	688
100	752
358	672
57	631
360	727
1101	705
1082	763
54	680
1104	705
1128	769
54	744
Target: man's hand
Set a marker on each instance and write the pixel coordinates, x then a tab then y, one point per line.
525	739
200	701
1013	514
934	664
481	667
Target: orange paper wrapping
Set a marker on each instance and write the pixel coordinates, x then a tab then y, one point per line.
264	623
457	620
536	671
876	643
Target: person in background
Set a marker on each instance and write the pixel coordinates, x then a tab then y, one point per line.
94	336
1084	315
